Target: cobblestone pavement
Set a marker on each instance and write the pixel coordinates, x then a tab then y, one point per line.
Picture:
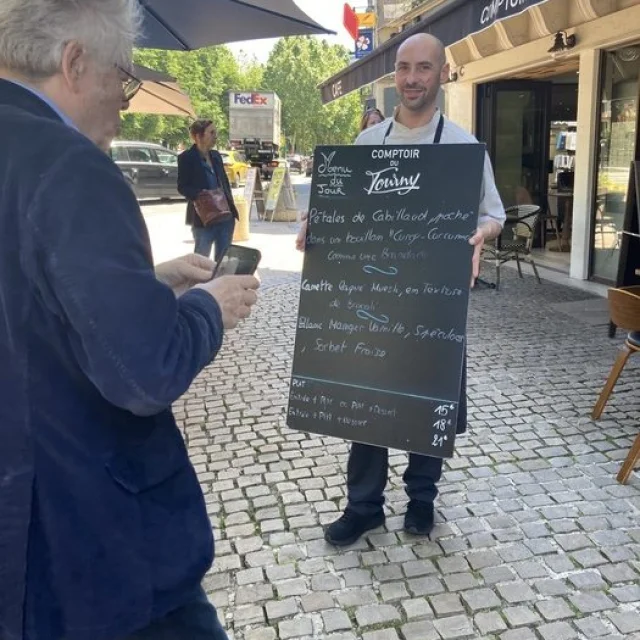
535	539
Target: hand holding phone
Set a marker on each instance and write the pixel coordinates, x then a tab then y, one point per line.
235	296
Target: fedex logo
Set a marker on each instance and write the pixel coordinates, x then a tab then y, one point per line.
252	99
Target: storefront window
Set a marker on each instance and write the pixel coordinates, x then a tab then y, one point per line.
617	136
520	137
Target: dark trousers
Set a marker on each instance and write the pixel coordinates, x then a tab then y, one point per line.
219	235
367	474
368	468
196	620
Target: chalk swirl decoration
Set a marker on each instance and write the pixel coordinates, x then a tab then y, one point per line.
390	271
365	315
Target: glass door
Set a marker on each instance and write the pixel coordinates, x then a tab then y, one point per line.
618	138
514	122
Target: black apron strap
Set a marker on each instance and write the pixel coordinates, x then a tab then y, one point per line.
436	138
386	135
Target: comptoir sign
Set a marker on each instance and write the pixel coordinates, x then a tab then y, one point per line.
495	10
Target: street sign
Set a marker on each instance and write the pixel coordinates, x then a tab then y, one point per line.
350	21
364	43
366	20
381	331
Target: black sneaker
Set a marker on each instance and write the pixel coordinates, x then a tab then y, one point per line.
419	518
350	526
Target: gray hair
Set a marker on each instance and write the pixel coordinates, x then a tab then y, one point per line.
34	33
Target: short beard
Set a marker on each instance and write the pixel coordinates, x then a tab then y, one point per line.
426	102
421	105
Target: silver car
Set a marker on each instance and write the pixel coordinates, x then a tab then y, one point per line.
150	169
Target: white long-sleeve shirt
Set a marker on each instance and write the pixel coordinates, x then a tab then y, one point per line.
491	207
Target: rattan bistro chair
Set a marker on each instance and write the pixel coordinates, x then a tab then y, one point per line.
515	241
624	308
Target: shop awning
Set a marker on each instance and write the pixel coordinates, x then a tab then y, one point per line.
451	22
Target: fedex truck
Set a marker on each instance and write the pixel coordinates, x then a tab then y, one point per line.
254	127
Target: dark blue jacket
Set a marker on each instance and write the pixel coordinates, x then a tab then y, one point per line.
192	179
103	525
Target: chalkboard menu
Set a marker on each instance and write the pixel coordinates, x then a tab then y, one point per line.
629	265
381	331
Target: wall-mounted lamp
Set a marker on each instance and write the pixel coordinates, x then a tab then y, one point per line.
454	75
563	42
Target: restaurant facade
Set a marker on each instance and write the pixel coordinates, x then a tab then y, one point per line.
553	89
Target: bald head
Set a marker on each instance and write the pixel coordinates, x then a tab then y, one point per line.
426	45
421	68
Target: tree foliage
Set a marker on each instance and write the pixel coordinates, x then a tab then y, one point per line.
294	69
205	75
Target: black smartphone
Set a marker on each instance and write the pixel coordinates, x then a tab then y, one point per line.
237	261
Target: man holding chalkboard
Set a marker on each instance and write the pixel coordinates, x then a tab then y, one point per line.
421	69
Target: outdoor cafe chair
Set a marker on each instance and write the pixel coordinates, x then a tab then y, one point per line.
515	241
551	220
624	308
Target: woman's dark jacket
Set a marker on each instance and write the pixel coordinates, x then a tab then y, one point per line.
192	179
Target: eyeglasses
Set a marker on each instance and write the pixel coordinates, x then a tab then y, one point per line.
131	85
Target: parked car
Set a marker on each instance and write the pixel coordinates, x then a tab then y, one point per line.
297	163
235	166
269	167
309	170
150	169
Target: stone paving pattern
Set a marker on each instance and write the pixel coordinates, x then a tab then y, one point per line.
535	539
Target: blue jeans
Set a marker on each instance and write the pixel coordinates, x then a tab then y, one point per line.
196	620
220	235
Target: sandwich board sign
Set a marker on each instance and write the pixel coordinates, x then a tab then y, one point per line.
280	197
253	191
381	331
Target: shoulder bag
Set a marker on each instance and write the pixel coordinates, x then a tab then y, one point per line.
212	206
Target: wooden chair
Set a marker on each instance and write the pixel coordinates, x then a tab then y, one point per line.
624	307
515	241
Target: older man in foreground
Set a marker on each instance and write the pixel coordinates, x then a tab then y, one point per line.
103	526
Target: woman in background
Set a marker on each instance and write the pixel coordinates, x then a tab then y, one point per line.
201	168
371	117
